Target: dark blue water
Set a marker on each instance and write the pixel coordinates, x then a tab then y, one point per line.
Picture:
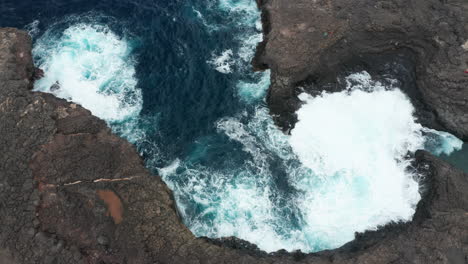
170	58
174	78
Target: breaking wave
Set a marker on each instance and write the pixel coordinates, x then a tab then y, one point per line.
90	65
356	144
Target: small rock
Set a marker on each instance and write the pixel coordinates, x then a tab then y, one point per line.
41	237
58	247
38	74
103	240
55	87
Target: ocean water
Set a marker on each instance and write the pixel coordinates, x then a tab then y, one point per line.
174	78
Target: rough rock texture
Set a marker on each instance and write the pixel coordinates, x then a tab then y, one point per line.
309	43
72	192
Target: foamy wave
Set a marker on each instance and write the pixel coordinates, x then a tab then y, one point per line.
90	65
252	91
243	16
439	142
210	27
248	44
247	8
224	62
170	169
239	201
33	28
356	144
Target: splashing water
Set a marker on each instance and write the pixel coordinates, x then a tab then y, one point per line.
252	91
247	18
439	142
356	142
90	65
223	62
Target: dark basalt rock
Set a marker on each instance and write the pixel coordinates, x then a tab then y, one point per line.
310	43
73	192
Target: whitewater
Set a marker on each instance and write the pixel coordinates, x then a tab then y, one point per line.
344	168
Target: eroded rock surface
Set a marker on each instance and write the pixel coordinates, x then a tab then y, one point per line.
72	192
310	42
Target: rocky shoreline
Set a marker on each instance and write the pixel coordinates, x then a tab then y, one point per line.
73	192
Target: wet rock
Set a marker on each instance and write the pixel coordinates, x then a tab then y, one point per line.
55	87
38	74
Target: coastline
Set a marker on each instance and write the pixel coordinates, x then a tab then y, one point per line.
59	158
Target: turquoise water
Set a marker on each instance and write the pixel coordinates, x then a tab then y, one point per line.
458	158
174	78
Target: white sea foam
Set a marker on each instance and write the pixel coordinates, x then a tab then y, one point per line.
33	28
238	200
223	62
170	169
245	16
90	65
356	143
252	91
440	142
248	9
248	44
210	27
